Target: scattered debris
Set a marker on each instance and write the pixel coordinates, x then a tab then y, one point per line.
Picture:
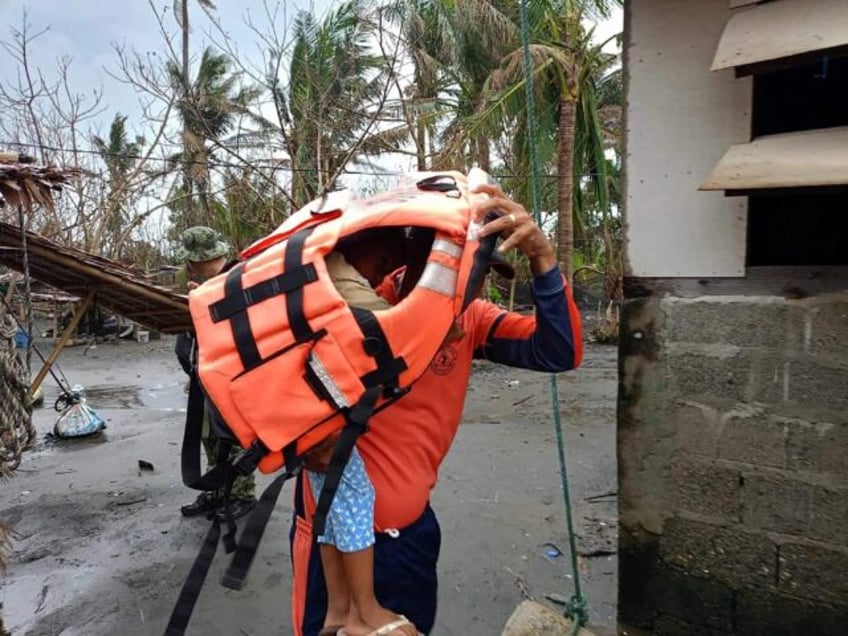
559	599
521	584
523	400
611	493
552	552
600	538
130	502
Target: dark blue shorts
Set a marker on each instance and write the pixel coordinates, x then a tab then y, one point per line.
405	579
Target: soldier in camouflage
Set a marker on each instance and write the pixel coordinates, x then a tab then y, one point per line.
204	254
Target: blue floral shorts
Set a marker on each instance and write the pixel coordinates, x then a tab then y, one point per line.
350	522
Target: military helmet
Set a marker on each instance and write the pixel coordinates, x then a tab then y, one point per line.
201	243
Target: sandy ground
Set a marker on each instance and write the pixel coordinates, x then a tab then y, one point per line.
100	547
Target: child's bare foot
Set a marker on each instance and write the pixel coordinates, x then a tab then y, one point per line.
377	622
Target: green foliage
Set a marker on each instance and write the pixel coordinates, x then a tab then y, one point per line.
333	76
208	107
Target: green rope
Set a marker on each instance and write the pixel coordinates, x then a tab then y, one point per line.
576	608
531	113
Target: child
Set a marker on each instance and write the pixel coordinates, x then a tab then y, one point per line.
347	552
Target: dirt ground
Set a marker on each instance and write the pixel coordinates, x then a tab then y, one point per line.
99	547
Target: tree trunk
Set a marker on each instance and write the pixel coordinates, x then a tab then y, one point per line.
483	153
421	143
187	180
565	186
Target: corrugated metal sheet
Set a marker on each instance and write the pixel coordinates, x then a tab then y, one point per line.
781	29
792	160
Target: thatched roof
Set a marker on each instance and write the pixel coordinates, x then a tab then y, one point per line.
25	183
121	289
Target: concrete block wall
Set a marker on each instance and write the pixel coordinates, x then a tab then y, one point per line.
733	465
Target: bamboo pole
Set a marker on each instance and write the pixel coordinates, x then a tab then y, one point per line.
59	347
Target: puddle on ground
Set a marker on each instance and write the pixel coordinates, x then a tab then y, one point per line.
52	441
160	397
114	397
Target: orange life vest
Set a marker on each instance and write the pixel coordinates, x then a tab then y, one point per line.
284	361
281	355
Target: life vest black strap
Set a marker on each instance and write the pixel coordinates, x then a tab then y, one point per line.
184	607
252	533
240	321
480	266
237	299
294	299
377	346
190	453
438	183
285	283
356	422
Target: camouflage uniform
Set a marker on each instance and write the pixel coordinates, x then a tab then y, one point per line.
201	244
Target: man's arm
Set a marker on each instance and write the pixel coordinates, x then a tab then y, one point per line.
550	341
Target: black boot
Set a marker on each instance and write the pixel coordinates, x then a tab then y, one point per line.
205	502
238	508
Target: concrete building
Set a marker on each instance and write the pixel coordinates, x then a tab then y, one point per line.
733	397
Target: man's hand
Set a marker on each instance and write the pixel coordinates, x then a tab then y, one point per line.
516	227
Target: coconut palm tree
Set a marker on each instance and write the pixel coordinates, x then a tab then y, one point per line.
182	16
120	154
568	61
336	89
208	106
483	32
568	68
428	35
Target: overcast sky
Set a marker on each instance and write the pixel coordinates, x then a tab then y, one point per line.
86	30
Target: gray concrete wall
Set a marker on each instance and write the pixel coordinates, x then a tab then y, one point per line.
733	465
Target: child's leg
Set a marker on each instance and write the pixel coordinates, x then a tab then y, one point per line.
359	575
353	524
366	614
338	595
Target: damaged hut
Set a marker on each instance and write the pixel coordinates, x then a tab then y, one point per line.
24	186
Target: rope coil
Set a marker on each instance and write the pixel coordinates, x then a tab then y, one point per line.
17	432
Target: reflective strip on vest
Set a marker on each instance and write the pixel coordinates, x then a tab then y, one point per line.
327	381
439	278
451	249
